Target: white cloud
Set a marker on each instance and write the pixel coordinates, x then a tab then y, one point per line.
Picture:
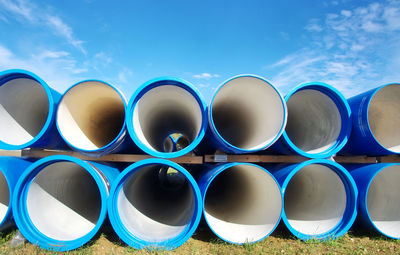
313	26
205	76
346	13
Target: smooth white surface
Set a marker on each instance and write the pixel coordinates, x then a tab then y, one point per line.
4	196
248	113
165	110
63	201
383	201
24	108
315	200
152	210
243	204
314	121
91	115
384	117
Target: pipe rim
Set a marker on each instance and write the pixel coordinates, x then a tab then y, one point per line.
125	234
230	146
350	212
20	211
383	148
224	167
386	165
11	74
156	82
121	134
345	113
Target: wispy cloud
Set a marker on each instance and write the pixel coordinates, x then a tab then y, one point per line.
27	12
205	76
351	50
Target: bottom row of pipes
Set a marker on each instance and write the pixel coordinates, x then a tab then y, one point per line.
60	202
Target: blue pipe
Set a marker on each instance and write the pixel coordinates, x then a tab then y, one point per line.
246	114
379	199
242	202
60	202
376	122
320	198
10	169
27	112
164	106
91	118
154	204
319	121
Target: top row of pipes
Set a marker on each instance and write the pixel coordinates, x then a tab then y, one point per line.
167	117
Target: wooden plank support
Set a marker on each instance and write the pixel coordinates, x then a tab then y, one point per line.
355	159
254	158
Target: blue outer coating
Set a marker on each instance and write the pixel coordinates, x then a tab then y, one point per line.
215	138
12	169
362	141
207	178
48	137
21	216
117	144
286	146
153	84
363	175
125	234
286	172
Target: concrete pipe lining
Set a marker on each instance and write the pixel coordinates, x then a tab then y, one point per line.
4	196
314	121
24	109
243	204
315	200
155	204
384	117
383	201
91	115
63	201
248	113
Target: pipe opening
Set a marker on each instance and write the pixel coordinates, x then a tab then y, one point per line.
248	113
165	110
243	204
156	206
315	200
383	201
175	142
314	121
384	117
91	115
24	108
63	201
4	196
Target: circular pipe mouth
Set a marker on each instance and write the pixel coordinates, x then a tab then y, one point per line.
320	201
319	121
60	203
247	114
91	116
383	201
155	203
163	107
26	109
384	117
4	197
242	203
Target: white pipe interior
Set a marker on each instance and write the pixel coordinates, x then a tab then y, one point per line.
384	117
248	113
24	108
383	201
165	110
155	209
63	201
314	121
315	200
4	196
91	115
243	204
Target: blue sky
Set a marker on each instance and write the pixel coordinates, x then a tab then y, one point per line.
352	45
